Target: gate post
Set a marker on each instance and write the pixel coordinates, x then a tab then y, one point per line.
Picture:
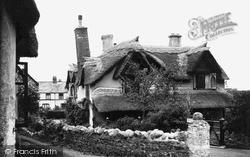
222	142
198	136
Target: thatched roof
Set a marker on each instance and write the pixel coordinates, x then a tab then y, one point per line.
95	68
50	87
25	15
197	99
28	45
71	75
183	60
113	103
208	98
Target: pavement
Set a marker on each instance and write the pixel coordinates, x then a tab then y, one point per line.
228	152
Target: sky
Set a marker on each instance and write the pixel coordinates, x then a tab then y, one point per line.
152	20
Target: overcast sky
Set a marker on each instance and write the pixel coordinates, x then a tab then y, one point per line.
152	20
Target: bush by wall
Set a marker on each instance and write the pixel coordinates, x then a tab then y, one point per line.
237	117
164	117
55	114
75	114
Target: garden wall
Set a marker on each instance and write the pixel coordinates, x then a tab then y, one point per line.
194	142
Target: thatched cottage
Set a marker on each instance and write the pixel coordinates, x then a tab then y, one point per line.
99	79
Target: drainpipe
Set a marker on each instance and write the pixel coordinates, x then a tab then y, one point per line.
7	80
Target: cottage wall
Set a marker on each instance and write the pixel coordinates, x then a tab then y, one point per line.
108	81
220	86
54	101
7	79
81	93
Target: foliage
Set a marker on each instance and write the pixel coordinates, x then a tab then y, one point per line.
237	117
148	87
155	91
126	123
35	123
171	114
166	117
75	114
55	114
32	100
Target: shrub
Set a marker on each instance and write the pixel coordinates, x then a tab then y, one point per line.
55	115
127	123
237	117
167	116
170	115
76	115
35	123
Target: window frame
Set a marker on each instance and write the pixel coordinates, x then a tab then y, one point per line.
48	96
61	96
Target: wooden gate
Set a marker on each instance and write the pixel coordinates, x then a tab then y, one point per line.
216	132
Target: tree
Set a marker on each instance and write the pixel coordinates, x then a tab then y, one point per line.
149	87
155	91
32	100
238	117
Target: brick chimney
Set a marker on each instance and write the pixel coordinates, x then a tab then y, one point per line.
107	41
54	79
82	42
174	40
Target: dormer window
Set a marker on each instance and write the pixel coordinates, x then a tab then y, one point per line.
205	81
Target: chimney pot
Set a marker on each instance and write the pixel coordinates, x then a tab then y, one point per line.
107	41
54	79
174	40
80	20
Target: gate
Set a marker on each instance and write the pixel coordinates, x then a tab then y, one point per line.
216	132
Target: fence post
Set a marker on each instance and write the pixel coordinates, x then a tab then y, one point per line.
222	142
198	136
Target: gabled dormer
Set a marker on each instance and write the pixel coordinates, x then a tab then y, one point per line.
205	71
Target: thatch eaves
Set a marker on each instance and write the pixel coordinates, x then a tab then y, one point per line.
113	103
197	99
28	45
208	98
25	15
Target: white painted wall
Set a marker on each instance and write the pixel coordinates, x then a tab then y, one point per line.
54	101
108	81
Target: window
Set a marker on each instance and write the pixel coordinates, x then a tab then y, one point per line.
199	81
202	81
48	96
45	105
61	96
